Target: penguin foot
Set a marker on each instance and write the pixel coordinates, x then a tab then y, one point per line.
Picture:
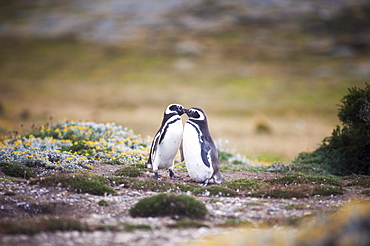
172	175
157	176
205	183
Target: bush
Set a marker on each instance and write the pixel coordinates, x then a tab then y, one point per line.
169	204
347	150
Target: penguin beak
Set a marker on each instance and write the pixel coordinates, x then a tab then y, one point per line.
186	111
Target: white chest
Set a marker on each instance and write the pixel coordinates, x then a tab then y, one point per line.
169	145
197	170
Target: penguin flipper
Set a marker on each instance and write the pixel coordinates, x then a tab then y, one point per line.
153	149
206	153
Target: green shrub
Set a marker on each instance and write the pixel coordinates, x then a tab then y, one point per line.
347	150
169	204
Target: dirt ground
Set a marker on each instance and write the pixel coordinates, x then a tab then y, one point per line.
33	202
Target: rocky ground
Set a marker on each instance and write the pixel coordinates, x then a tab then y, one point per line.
22	201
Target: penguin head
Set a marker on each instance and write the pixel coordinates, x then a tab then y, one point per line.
196	114
174	108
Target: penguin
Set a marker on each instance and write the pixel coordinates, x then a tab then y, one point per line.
200	153
166	141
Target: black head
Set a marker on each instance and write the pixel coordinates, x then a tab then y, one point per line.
195	113
174	108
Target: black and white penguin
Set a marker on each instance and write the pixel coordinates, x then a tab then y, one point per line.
200	151
167	141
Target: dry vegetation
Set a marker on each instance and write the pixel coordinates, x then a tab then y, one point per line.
291	97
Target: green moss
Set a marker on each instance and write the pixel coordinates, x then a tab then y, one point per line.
129	171
187	223
17	170
215	190
169	204
103	203
36	225
80	183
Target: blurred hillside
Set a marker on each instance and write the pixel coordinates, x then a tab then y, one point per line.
268	73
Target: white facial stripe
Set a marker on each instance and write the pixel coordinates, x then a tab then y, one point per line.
201	115
169	111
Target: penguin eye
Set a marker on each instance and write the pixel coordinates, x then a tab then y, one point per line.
173	107
196	114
